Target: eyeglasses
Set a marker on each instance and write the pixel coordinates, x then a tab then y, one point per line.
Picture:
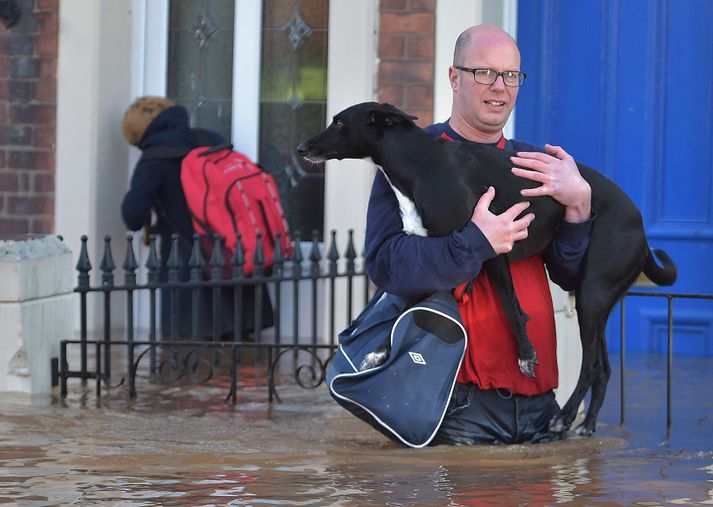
512	78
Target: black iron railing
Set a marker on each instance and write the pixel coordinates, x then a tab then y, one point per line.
669	296
195	359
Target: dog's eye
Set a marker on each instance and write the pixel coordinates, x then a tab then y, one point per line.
338	123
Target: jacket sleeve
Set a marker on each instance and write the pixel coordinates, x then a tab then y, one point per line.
141	195
405	264
565	253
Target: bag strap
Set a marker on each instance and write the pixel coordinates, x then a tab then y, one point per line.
203	138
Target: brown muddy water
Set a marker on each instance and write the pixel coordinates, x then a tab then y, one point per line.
184	446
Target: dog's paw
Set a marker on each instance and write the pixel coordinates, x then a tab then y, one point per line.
527	367
374	359
583	431
557	425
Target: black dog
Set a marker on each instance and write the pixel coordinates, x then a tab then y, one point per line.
445	180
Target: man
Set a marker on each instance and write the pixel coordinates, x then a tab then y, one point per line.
493	402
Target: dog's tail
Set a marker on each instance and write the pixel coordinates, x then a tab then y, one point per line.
665	275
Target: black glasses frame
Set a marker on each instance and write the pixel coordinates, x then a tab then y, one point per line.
521	80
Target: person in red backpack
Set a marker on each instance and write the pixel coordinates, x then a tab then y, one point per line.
151	122
493	401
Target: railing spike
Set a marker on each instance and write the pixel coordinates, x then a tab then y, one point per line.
238	260
333	253
196	261
259	255
217	261
314	254
174	263
84	266
277	256
297	255
130	263
152	261
107	265
350	253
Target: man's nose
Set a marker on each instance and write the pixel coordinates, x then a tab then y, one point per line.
499	83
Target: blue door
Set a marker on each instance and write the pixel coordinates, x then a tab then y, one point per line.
627	87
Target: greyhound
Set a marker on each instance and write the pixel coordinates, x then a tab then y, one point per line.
442	181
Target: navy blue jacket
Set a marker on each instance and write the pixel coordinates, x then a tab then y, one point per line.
156	183
405	264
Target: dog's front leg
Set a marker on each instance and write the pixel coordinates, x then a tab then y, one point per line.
498	270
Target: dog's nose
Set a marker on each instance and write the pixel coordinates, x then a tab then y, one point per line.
302	149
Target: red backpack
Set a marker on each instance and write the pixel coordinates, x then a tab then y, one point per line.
227	192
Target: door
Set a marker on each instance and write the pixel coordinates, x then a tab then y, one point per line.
625	86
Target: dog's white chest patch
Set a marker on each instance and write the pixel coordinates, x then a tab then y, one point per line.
409	214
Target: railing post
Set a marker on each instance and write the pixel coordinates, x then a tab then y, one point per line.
314	257
174	265
238	261
277	261
217	263
350	255
333	256
622	343
258	276
152	267
196	265
83	267
129	267
107	267
296	276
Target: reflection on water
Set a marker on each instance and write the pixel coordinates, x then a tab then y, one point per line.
181	446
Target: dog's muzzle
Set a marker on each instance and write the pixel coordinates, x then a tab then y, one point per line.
308	153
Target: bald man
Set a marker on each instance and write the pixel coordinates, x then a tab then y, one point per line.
493	401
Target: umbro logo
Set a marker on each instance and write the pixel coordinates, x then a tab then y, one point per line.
417	358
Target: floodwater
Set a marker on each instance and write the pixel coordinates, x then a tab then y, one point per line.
184	446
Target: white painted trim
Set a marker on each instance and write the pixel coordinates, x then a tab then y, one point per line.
452	17
155	50
246	77
510	26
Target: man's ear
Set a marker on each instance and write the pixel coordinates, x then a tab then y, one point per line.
386	115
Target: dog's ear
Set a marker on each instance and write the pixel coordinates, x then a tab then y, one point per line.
386	115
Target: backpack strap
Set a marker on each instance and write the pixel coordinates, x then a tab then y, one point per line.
203	137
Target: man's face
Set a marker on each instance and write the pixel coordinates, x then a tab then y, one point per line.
485	107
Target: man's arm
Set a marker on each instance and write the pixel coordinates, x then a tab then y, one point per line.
141	195
404	264
557	171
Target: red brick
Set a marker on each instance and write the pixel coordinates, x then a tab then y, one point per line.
9	181
46	90
392	5
2	159
21	90
30	205
405	72
44	136
419	95
47	21
4	89
33	113
4	66
43	183
391	46
425	116
44	225
48	67
30	159
47	4
420	22
14	226
420	47
15	135
24	181
422	5
391	93
3	112
46	44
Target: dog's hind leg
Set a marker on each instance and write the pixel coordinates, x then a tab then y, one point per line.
602	372
498	270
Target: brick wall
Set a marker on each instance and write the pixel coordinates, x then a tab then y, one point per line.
406	50
28	106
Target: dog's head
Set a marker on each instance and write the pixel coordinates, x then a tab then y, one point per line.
354	132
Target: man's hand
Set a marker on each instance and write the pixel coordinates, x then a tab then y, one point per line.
560	179
501	231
